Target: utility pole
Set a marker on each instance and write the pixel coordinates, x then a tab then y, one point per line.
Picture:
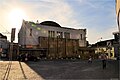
11	43
11	51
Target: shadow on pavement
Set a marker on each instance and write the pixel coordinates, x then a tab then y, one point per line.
22	71
75	69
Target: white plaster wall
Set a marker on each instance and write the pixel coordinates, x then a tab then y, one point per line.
41	30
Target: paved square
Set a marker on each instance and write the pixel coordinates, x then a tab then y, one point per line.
76	69
59	70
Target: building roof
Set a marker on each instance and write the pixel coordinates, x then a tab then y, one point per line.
50	23
103	43
2	36
116	33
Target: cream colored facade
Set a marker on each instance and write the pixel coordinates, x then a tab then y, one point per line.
30	32
118	12
118	20
117	6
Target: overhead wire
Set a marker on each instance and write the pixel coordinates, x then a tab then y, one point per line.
6	31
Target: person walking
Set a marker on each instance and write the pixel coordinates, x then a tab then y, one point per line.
104	58
90	59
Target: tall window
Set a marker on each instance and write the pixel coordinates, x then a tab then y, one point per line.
81	36
67	35
51	33
59	34
48	33
30	32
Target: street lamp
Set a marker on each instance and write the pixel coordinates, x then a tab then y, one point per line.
58	35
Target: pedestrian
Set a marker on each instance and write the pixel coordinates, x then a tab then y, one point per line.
20	57
104	57
90	59
26	57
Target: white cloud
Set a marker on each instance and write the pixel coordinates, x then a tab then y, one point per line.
56	10
94	35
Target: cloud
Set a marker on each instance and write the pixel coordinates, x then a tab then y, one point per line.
94	35
58	11
87	3
63	13
98	16
42	10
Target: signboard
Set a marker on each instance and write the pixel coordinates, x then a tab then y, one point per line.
13	34
29	46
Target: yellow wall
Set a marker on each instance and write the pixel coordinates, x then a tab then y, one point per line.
105	50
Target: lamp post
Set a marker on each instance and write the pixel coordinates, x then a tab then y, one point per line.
48	46
11	44
11	51
58	34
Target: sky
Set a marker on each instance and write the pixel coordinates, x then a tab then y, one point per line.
97	16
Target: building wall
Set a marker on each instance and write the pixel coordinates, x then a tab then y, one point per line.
85	53
117	6
22	34
117	46
117	50
110	52
29	33
118	11
59	47
116	43
3	43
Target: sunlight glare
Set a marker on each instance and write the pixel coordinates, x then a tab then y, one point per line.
16	16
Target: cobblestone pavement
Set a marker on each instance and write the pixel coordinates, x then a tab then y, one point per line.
60	70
